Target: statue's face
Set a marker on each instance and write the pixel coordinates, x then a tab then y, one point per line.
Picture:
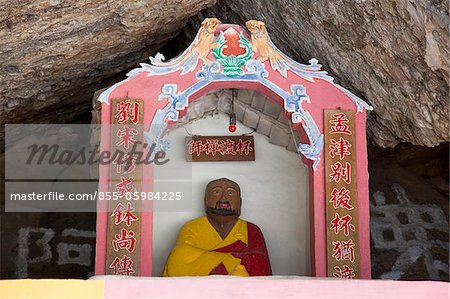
223	197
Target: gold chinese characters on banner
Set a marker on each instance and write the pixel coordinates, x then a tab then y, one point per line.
124	223
341	194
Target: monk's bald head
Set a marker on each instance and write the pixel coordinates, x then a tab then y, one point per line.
223	181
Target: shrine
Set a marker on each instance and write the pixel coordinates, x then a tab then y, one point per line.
329	121
231	170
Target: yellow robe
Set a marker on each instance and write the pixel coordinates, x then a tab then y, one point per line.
194	255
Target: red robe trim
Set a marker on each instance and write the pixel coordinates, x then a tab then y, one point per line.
254	256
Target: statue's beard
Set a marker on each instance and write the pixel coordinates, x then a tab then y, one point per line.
221	211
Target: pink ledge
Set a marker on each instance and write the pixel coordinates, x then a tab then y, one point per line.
274	287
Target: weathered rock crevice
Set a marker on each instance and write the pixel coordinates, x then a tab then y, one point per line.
393	54
55	54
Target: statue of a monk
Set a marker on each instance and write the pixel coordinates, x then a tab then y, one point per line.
219	243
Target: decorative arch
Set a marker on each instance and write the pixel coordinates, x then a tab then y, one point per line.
226	56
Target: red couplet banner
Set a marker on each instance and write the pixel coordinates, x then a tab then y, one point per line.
341	194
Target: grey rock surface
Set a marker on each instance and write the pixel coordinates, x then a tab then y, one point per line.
393	54
55	54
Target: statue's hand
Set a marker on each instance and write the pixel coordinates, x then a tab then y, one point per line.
240	271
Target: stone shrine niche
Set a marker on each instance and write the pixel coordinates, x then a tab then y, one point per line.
156	96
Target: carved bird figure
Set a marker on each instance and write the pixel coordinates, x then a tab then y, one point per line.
188	60
266	49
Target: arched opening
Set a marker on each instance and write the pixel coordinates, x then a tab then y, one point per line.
305	93
275	187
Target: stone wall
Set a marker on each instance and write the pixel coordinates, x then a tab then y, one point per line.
409	211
